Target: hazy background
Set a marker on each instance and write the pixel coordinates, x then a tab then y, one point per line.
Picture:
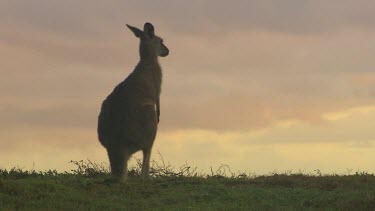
259	85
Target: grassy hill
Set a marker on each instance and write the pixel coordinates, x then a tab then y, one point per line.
88	188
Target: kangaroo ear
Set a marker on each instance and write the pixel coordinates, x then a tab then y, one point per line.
137	32
149	30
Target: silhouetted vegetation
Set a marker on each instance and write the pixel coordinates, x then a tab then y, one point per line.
89	187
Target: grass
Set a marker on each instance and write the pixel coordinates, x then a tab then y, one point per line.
88	188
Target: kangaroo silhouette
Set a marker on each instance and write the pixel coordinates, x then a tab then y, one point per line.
129	116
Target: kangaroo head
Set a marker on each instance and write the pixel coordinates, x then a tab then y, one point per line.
151	45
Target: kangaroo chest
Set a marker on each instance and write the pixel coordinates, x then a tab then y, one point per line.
149	80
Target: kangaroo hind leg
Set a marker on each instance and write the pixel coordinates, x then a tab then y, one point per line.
146	163
119	162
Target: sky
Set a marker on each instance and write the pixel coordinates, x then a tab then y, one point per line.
260	85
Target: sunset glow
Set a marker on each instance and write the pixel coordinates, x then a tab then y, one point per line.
261	86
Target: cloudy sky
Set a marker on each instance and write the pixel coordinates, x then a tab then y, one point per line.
260	85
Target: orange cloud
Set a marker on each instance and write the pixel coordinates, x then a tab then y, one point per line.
264	72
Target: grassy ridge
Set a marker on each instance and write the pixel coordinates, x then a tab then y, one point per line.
88	188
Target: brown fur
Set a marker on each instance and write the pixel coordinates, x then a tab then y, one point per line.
129	116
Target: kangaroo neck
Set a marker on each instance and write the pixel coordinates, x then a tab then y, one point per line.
153	69
149	61
149	64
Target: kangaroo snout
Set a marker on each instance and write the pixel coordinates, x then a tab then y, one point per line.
165	52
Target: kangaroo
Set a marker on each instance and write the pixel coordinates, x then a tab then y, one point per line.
129	116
